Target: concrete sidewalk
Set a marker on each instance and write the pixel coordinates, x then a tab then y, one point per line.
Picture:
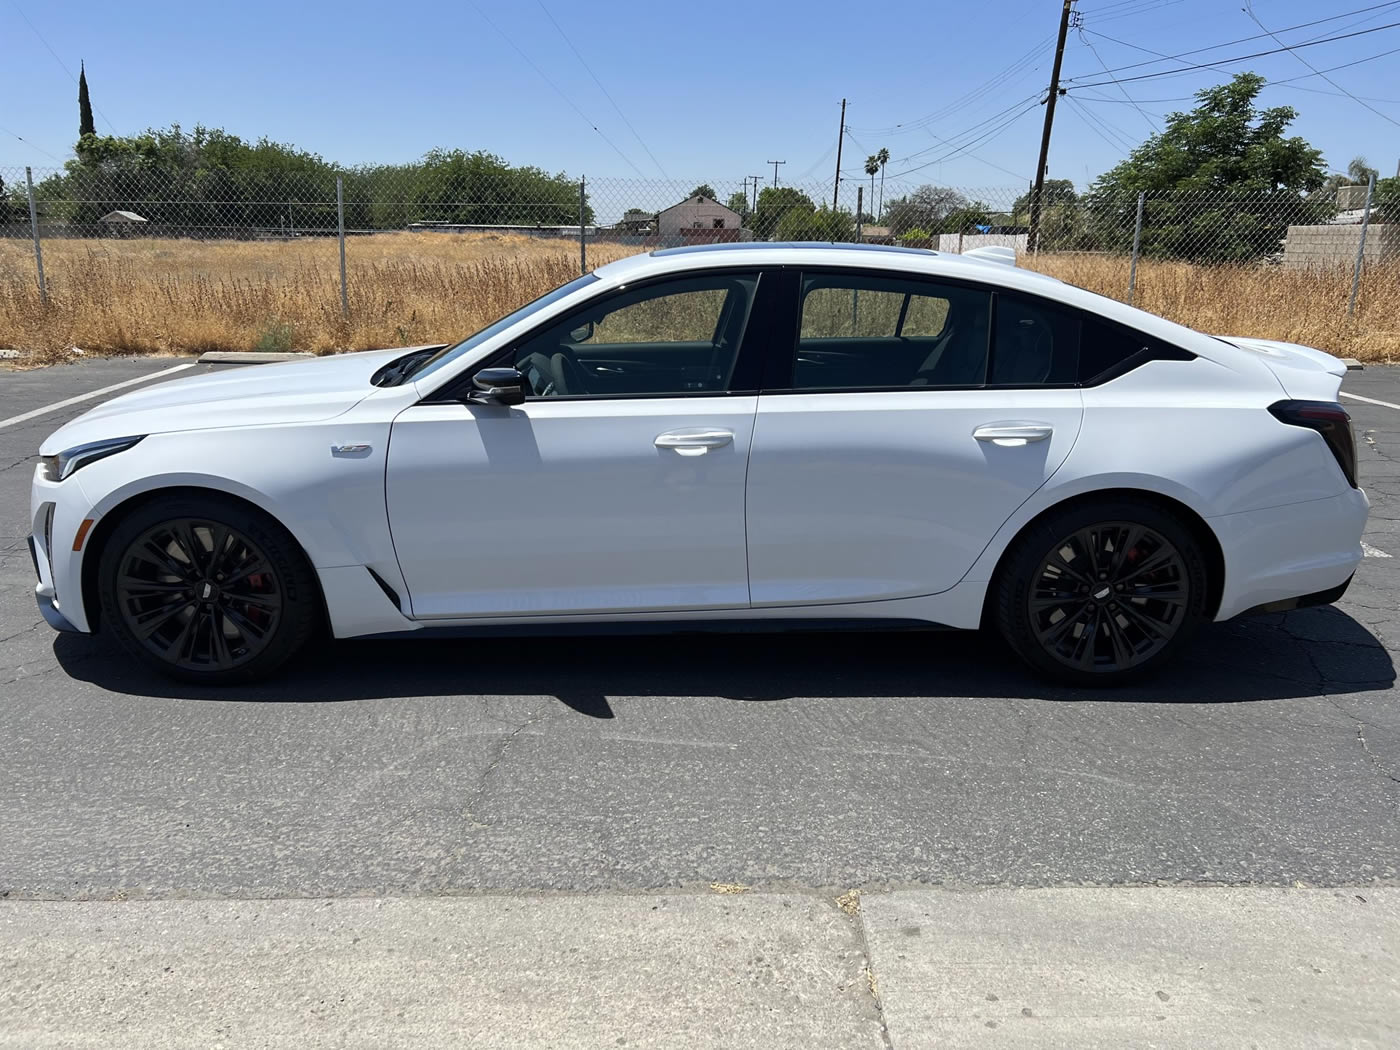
1188	967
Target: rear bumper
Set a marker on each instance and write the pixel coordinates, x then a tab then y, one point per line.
1304	601
1285	557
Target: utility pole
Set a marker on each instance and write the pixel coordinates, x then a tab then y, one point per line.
1033	236
775	164
756	180
840	140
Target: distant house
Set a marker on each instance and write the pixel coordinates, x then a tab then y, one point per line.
122	218
694	214
634	220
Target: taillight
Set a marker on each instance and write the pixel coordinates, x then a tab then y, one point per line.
1331	421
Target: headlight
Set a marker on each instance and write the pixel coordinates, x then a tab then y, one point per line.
56	468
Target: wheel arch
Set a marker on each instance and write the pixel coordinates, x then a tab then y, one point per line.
1190	518
107	523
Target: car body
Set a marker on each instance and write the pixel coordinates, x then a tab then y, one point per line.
768	433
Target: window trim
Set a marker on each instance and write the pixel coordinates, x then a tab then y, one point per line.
748	360
782	356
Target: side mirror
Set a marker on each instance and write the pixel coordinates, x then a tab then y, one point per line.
497	386
582	333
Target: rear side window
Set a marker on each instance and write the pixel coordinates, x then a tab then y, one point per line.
1106	349
1036	344
870	332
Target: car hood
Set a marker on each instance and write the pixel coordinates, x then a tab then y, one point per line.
1305	373
291	392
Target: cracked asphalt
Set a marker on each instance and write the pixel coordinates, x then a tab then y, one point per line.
1270	755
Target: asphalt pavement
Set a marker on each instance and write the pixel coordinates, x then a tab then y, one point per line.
893	763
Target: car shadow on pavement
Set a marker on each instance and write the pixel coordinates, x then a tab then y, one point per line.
1306	653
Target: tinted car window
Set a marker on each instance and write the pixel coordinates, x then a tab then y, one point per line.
867	332
675	337
1105	347
1035	344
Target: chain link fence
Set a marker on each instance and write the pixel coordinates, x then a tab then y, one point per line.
195	232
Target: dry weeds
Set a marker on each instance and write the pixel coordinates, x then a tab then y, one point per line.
171	296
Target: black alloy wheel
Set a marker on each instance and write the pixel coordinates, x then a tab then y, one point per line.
207	590
1101	594
199	595
1110	597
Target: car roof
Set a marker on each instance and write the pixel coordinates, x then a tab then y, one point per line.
808	253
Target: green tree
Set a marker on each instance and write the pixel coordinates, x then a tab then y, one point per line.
1223	182
739	202
872	168
775	203
1054	193
85	124
703	190
925	208
820	224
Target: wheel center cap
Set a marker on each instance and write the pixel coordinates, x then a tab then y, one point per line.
208	591
1102	594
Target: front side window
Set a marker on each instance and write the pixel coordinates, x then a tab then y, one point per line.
680	336
874	332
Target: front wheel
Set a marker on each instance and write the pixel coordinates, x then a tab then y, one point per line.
1101	594
206	589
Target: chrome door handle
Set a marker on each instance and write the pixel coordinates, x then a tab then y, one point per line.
1013	433
694	442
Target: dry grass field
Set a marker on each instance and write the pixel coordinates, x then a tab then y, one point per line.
169	296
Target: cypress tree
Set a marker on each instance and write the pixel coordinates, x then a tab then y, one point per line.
85	124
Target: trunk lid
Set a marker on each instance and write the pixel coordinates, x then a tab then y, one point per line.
1305	373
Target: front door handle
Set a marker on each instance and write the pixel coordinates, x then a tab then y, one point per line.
1013	433
694	442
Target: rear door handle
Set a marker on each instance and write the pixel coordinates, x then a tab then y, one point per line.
694	442
1013	433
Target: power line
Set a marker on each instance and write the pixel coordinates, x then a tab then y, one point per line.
1249	10
1032	99
31	145
1230	43
1089	44
35	30
967	147
1098	126
557	89
984	160
1238	58
606	94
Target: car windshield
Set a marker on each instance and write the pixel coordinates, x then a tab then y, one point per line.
448	354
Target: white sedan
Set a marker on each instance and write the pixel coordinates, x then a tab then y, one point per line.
784	435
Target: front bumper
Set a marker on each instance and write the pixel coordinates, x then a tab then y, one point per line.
56	510
48	609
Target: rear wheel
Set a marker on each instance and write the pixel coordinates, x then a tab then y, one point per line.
1101	594
206	589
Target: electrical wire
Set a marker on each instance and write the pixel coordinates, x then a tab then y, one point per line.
557	89
1100	127
38	149
970	130
1249	10
1236	58
1230	43
1099	58
64	67
966	147
606	94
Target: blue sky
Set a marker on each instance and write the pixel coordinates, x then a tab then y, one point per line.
713	91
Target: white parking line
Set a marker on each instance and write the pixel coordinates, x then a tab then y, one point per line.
89	396
1367	551
1372	401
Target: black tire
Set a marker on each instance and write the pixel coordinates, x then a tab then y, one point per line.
1102	615
206	589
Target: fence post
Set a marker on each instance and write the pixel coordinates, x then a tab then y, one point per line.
582	232
1137	242
34	228
1360	248
340	231
860	203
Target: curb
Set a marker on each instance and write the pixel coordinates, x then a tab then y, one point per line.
229	357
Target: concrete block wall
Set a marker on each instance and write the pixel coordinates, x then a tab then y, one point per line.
1330	246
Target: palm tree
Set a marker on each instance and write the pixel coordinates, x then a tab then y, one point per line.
884	158
872	165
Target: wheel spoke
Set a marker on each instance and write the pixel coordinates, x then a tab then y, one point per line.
1159	560
246	627
259	601
1122	652
152	554
149	622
